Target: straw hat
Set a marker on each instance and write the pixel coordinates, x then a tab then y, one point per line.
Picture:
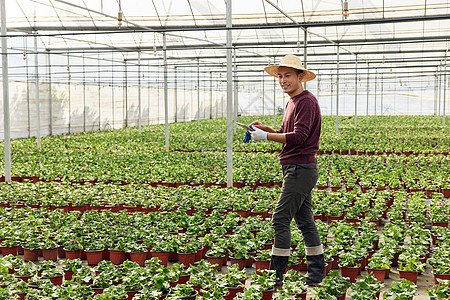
291	61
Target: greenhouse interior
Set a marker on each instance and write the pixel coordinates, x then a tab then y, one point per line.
120	134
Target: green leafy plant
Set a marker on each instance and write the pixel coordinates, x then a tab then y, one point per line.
401	290
365	289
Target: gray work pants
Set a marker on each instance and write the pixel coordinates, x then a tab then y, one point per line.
295	203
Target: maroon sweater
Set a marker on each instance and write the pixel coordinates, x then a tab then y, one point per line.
301	123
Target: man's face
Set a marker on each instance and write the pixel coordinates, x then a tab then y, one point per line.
289	81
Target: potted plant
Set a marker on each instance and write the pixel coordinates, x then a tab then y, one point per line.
333	285
440	291
49	249
262	260
440	261
348	264
367	289
264	282
9	246
215	257
94	251
186	253
233	280
294	284
401	290
203	275
55	275
70	267
26	271
378	264
112	293
161	251
410	266
137	253
239	256
31	248
182	291
73	249
20	289
249	294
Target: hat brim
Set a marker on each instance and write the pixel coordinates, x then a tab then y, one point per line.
273	70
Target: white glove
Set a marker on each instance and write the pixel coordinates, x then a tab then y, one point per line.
258	134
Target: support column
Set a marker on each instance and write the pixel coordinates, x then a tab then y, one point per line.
305	52
84	96
439	91
367	100
445	89
356	91
28	97
166	96
139	94
125	90
6	121
235	113
229	24
381	95
210	95
198	91
176	94
263	96
68	86
38	103
50	101
375	93
337	90
274	97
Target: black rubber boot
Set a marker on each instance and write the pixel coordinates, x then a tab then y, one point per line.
316	265
279	264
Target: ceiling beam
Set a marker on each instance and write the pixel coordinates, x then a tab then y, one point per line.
278	25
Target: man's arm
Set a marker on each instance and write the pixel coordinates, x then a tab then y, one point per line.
277	137
272	134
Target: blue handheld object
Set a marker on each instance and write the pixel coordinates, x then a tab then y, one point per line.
248	135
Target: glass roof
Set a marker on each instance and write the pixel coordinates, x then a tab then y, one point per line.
389	35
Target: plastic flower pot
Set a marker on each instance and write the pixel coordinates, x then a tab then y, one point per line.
21	296
61	252
50	254
186	259
30	255
25	278
350	272
233	291
241	262
73	254
97	290
215	261
68	275
162	256
379	274
440	276
57	280
409	275
139	258
131	294
94	257
9	250
267	295
262	265
328	265
302	266
117	257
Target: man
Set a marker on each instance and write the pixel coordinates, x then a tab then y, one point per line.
299	134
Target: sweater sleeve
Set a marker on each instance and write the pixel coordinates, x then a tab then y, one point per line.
304	120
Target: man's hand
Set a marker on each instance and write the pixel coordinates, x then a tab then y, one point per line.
258	134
